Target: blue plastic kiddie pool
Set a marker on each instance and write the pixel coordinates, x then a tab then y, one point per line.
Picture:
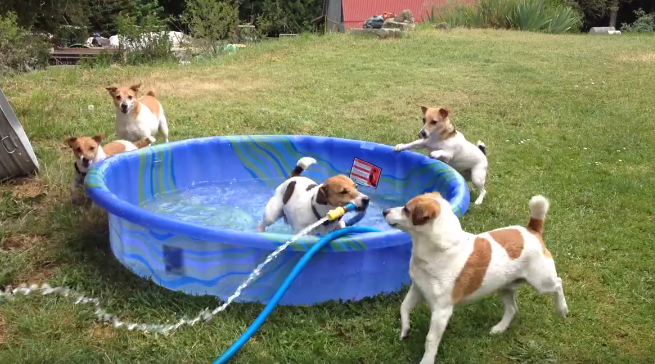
173	208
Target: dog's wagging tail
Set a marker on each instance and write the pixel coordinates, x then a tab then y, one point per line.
538	210
482	147
302	164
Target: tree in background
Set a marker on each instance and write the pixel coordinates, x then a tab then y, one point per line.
288	16
64	19
103	14
20	50
595	10
211	21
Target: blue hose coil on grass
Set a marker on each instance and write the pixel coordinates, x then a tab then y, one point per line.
283	289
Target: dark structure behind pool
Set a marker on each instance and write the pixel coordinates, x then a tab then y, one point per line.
207	260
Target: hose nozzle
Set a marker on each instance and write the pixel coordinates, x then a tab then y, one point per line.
340	211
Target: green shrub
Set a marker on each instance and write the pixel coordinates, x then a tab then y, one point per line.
530	15
143	41
212	23
20	50
290	16
645	23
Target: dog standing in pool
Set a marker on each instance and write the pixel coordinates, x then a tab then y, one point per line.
303	202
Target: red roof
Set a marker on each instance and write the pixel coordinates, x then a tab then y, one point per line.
355	12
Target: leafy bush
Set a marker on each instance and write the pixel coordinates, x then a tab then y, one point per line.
20	50
211	23
645	23
529	15
290	16
144	41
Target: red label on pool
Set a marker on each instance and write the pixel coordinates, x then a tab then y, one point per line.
365	173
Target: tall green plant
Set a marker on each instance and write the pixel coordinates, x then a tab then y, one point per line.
529	15
211	23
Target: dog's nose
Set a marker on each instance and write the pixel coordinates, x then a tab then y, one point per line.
385	212
365	201
124	107
423	134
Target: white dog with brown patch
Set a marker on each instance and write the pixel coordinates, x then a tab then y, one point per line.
138	118
88	152
302	202
448	145
450	267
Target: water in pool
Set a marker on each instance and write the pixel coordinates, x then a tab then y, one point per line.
240	205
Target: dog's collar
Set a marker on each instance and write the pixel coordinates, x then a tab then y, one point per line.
77	169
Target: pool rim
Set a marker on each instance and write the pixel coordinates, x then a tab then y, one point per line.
105	198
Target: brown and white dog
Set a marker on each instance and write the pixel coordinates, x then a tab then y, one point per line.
450	267
138	118
88	152
303	202
448	145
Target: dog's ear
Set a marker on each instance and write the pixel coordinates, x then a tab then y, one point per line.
135	88
424	109
322	195
70	141
423	212
444	112
112	90
98	138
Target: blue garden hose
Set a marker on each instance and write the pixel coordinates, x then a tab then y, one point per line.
285	286
355	219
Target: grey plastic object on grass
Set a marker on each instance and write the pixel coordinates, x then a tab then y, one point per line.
16	155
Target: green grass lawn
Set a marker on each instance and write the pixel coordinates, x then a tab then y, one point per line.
570	117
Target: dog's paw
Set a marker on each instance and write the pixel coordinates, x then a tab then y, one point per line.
261	227
427	360
435	155
399	147
563	311
498	329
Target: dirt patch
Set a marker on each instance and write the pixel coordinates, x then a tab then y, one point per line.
19	242
225	80
23	188
640	57
2	330
101	332
213	85
38	275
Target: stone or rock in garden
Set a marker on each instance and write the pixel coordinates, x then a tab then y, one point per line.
443	26
405	16
381	33
392	24
604	30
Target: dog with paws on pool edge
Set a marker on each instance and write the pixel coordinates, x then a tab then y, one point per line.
302	202
450	267
88	152
448	145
